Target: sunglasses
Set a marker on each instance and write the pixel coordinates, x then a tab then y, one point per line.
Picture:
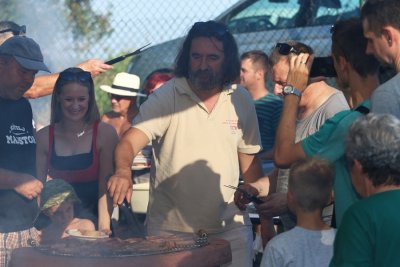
20	31
211	27
119	97
285	49
82	76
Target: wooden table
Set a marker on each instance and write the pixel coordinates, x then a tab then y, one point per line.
218	252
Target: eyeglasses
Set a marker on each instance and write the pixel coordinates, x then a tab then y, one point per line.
210	27
119	97
20	31
81	76
285	49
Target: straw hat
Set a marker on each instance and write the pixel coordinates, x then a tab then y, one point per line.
124	84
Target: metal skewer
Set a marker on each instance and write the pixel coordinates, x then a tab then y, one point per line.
120	58
250	197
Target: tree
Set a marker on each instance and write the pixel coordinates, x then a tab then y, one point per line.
86	25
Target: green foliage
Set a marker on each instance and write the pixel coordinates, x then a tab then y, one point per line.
102	99
8	10
85	23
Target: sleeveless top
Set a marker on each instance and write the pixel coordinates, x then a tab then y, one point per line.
73	168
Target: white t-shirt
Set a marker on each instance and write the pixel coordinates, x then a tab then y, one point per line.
300	247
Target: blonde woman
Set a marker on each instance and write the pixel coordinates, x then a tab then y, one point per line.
77	147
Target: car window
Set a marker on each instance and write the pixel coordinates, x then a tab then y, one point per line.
265	15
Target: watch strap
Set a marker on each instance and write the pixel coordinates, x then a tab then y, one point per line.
293	91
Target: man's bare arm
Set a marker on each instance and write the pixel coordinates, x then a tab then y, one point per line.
286	150
255	182
43	85
24	184
120	184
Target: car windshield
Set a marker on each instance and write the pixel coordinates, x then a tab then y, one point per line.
265	15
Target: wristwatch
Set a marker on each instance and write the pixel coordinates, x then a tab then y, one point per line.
289	89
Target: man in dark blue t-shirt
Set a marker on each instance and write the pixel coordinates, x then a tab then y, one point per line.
20	60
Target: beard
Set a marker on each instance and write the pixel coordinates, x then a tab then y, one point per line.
205	80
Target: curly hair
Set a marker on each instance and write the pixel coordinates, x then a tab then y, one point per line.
374	141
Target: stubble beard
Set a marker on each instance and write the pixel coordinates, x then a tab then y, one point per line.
212	82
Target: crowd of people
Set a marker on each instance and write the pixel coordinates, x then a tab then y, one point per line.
325	160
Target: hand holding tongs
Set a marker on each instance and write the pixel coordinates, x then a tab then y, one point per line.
120	58
247	195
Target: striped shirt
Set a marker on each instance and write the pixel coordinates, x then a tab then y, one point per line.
268	110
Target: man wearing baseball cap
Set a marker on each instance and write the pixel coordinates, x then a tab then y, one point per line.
20	60
44	84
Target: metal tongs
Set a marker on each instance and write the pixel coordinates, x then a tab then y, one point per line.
137	228
120	58
247	195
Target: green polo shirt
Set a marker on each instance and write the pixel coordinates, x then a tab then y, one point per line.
329	143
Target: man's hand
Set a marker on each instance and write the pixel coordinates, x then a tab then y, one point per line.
239	198
120	186
94	66
299	70
30	188
274	205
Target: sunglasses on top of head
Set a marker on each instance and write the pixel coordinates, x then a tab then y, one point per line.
82	76
15	32
285	49
211	27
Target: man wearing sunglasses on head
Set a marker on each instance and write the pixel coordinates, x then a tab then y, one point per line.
44	84
205	134
357	73
318	102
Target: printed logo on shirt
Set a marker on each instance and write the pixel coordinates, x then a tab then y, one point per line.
18	135
233	125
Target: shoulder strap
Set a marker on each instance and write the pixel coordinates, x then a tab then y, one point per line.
94	135
362	109
51	143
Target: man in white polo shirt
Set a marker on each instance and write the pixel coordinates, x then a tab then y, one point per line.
205	135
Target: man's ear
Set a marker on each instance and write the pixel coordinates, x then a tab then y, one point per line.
388	34
290	197
260	74
343	64
358	166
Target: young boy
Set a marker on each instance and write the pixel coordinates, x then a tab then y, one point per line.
310	243
57	203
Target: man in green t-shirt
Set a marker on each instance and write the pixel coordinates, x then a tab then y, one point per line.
368	234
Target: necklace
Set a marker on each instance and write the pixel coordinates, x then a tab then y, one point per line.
80	134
